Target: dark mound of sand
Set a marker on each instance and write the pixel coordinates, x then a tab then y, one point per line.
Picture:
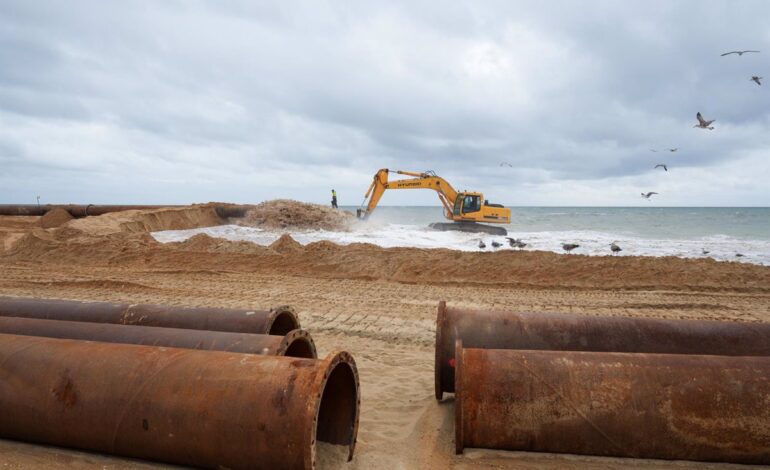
56	217
206	244
286	244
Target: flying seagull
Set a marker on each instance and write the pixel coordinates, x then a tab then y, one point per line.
757	79
740	53
662	165
704	124
615	248
653	150
673	150
506	164
648	195
482	245
569	246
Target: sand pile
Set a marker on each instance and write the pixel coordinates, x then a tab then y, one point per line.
286	244
70	246
12	228
203	243
56	217
281	214
152	220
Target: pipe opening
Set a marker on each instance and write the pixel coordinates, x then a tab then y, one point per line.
283	322
337	417
301	347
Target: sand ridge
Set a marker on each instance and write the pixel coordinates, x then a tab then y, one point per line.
55	218
149	220
530	269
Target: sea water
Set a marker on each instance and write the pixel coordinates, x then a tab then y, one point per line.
639	231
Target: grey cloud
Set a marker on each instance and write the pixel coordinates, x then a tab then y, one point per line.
571	93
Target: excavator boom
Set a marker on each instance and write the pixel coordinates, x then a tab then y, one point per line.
466	208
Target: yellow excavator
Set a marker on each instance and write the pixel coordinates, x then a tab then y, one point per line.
465	209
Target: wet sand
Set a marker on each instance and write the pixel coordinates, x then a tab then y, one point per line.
379	304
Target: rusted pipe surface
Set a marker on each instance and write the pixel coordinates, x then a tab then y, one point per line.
568	332
664	406
278	321
83	210
75	210
296	343
23	209
202	408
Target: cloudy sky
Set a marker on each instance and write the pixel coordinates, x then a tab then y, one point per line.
193	101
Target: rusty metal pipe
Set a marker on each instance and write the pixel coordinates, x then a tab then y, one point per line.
296	343
569	332
207	409
663	406
80	210
23	209
75	210
277	321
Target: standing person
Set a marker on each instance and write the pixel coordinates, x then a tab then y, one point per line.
334	199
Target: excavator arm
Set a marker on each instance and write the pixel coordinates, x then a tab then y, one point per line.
465	209
427	180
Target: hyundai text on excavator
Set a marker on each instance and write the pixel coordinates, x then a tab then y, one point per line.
465	209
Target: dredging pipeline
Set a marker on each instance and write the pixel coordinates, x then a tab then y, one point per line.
277	321
80	210
206	409
662	406
296	343
569	332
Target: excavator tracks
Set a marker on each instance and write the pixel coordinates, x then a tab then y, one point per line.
471	227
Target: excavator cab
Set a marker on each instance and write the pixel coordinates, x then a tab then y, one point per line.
467	203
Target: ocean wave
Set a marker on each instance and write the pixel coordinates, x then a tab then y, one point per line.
594	243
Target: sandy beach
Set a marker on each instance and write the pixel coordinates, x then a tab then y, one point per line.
377	303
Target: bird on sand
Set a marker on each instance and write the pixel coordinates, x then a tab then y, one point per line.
482	245
704	251
615	248
496	244
704	124
648	195
740	53
663	165
739	255
569	246
756	79
520	244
